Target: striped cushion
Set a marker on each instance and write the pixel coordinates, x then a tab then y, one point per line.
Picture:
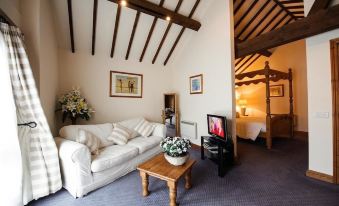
120	134
144	128
90	140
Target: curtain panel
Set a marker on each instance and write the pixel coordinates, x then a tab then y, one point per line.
41	170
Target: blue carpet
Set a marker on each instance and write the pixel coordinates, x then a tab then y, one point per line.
263	177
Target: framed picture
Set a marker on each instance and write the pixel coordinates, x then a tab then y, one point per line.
196	84
123	84
277	90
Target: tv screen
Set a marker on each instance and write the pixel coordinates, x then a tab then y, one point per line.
217	126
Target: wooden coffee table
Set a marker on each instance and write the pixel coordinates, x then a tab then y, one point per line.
160	168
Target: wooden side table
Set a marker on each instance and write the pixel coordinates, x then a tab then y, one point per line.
159	167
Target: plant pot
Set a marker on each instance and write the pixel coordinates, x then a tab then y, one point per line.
176	161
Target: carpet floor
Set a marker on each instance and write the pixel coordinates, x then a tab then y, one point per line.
263	177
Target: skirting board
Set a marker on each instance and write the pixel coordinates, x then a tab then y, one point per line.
319	176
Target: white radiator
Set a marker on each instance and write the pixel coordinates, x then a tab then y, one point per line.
188	129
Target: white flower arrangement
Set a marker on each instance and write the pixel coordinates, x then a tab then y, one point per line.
175	146
73	105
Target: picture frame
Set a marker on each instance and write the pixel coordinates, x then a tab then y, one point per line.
277	90
124	84
196	84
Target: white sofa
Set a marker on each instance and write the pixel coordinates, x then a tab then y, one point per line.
83	172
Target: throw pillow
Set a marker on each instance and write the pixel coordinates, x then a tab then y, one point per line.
90	140
144	128
120	134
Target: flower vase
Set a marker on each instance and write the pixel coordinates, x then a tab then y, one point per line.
74	121
176	161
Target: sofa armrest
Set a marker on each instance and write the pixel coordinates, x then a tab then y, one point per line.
159	130
75	161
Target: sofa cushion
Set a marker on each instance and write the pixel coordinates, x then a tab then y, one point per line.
144	128
90	140
120	134
102	131
130	124
144	144
112	156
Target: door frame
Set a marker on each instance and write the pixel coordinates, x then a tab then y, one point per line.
335	104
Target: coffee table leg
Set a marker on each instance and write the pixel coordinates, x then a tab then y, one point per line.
188	184
144	179
172	192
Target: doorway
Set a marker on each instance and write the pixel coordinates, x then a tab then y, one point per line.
335	107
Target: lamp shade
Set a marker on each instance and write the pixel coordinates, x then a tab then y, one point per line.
242	102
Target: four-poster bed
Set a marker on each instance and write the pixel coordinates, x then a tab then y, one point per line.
276	124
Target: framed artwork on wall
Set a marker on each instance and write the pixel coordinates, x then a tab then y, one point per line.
196	84
277	90
123	84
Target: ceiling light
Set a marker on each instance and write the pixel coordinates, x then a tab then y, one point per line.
168	18
123	3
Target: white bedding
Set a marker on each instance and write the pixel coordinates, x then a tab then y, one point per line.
250	127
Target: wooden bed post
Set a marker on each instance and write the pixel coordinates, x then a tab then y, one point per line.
268	107
291	102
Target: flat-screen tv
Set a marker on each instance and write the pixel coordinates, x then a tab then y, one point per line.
217	126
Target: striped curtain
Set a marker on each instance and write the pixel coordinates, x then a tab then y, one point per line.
41	171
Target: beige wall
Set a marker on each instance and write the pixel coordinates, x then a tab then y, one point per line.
208	52
91	74
292	56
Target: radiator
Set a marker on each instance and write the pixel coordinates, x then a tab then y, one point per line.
188	129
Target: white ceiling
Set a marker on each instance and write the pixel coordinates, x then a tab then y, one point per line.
83	18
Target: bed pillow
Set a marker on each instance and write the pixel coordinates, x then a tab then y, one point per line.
144	128
90	140
120	134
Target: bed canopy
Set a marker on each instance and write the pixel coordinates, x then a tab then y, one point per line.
276	124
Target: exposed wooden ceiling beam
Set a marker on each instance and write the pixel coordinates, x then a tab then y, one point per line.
320	22
150	33
95	12
264	53
136	20
166	33
245	14
295	7
245	62
238	7
260	22
181	32
161	12
70	21
285	9
318	5
291	1
116	27
253	18
250	64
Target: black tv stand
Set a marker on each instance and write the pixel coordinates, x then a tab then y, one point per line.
218	151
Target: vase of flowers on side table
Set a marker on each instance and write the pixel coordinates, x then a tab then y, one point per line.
176	150
74	106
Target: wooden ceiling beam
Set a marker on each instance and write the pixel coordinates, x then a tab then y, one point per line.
161	12
181	33
116	27
245	14
320	22
295	7
245	62
70	21
136	20
238	7
250	64
95	12
285	9
260	22
265	53
166	33
253	18
319	5
150	33
292	1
